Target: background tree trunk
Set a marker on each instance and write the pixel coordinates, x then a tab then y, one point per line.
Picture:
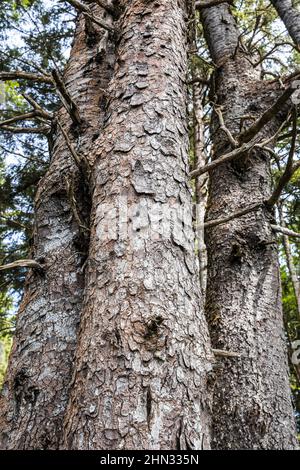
142	358
35	393
252	405
290	15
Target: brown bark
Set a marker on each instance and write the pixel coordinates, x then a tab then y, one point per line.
35	392
252	405
142	358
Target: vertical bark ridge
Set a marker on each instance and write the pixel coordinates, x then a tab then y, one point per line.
252	401
35	392
142	358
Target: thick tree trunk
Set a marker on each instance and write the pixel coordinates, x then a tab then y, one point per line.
142	358
290	15
252	404
35	393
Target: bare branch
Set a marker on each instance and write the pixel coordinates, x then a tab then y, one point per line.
235	215
285	231
253	130
20	117
39	111
67	100
73	152
224	159
88	12
290	168
23	263
231	139
223	353
19	74
26	130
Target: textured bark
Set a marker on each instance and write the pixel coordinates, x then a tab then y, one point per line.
290	16
142	358
36	389
252	404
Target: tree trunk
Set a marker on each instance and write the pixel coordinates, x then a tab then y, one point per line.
290	15
35	393
142	359
252	404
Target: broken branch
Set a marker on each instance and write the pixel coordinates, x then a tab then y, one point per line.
26	130
67	100
88	12
19	74
285	231
23	263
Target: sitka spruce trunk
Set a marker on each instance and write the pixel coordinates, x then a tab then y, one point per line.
142	358
35	392
252	399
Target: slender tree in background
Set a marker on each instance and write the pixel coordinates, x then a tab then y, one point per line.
112	347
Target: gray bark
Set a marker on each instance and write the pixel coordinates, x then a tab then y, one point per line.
252	405
290	16
35	392
143	354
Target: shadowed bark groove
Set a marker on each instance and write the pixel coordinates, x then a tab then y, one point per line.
252	404
35	392
142	358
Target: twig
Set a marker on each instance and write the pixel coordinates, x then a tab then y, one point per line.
253	130
20	117
67	100
285	231
231	139
235	215
26	130
223	353
19	74
224	159
290	168
38	109
87	11
23	263
73	152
